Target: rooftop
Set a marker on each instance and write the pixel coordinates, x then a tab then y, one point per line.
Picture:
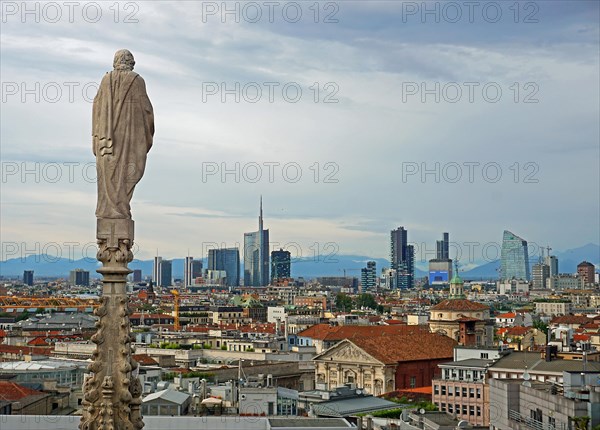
459	305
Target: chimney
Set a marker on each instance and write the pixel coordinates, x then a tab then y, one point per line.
548	353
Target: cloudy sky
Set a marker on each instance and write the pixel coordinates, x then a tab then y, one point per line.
359	117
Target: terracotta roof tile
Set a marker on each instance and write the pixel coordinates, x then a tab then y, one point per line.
571	319
145	360
333	333
415	346
12	391
459	305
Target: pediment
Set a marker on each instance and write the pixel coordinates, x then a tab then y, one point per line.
347	352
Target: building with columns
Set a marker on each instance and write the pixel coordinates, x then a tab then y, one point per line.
384	363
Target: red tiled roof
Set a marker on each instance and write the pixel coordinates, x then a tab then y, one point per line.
459	305
12	349
581	337
144	360
517	331
507	315
415	346
333	333
571	319
12	391
392	322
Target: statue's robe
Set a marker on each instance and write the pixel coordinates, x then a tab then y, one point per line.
122	129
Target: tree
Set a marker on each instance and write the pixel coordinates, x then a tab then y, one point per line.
343	302
366	300
581	423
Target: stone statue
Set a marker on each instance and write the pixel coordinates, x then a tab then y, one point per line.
122	129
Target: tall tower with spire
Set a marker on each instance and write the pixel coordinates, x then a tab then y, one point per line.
256	254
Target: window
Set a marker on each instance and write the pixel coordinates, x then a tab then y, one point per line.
478	411
443	409
471	392
443	390
449	408
479	393
484	355
436	389
471	410
464	391
457	391
464	409
413	381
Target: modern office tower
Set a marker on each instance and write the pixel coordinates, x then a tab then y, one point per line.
442	248
586	270
402	258
196	269
79	277
166	273
256	255
368	275
28	277
227	260
187	270
440	271
281	262
137	275
541	273
440	268
156	270
514	257
552	262
192	269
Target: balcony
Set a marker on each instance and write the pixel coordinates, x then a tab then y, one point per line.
533	424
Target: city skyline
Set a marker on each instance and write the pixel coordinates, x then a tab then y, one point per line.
196	144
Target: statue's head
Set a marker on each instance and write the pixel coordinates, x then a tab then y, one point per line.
123	60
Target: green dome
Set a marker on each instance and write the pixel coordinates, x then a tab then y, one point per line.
456	279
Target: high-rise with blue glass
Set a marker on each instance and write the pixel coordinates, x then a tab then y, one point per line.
256	255
514	259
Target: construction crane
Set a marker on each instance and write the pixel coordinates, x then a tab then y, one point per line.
12	302
176	301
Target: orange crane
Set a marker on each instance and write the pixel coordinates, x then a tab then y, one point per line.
176	301
11	302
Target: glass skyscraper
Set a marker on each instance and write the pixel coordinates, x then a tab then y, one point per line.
227	259
514	260
256	255
402	258
281	264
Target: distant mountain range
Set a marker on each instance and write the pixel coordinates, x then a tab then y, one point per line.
308	267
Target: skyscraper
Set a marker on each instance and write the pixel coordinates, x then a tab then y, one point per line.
191	270
28	277
402	258
541	273
166	273
281	262
156	270
440	268
228	260
514	259
256	255
79	277
552	262
368	276
137	275
442	247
